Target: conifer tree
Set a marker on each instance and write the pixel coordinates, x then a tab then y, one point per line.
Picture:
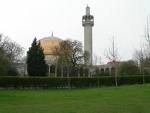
36	65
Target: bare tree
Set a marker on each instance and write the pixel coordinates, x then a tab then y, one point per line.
147	32
112	52
70	54
147	37
13	50
11	53
113	56
142	55
146	48
139	58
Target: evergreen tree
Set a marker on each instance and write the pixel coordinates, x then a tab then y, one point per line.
36	65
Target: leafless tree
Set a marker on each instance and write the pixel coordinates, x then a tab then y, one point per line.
139	58
147	37
70	54
142	55
113	56
112	52
13	50
10	53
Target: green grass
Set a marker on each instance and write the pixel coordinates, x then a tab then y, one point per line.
124	99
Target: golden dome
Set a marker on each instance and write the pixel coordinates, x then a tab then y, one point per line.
49	44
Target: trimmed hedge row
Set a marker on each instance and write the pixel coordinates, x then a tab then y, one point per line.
47	82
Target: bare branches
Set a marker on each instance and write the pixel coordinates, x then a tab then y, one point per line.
142	55
139	55
12	50
147	33
112	52
70	52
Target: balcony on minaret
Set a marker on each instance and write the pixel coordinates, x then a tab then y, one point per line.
88	19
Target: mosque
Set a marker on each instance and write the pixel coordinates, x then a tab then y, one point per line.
49	43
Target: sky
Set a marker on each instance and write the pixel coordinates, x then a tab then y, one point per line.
23	20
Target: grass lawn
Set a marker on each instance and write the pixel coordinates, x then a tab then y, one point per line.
124	99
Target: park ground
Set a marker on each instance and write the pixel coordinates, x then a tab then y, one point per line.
123	99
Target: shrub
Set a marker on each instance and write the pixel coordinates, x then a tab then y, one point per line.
70	82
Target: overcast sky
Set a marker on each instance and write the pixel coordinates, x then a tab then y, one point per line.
22	20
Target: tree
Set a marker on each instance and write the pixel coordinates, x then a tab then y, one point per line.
142	55
12	49
139	58
112	56
70	54
147	37
10	53
112	52
73	52
4	63
128	68
36	65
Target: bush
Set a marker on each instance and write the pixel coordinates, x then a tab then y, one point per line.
128	68
12	71
46	82
130	80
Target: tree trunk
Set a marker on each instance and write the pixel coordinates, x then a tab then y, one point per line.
68	78
116	75
78	71
56	70
49	70
61	70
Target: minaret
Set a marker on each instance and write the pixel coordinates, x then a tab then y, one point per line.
88	22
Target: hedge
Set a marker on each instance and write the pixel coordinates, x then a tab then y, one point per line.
70	82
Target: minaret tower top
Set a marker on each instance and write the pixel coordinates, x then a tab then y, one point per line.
88	19
87	10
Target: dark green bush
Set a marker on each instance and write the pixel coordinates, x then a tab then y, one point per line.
72	82
130	80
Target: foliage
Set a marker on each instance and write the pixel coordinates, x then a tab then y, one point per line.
69	82
128	68
36	65
12	71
